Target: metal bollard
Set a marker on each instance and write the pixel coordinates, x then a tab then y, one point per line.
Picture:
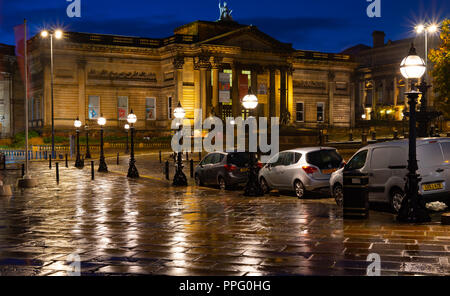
350	136
374	135
160	157
187	156
192	168
395	135
118	160
199	156
67	161
57	172
92	170
166	169
23	170
50	162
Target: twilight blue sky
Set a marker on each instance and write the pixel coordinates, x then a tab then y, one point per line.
324	25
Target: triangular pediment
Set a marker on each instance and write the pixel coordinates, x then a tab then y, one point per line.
249	38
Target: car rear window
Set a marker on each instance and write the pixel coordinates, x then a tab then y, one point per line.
239	159
429	155
324	159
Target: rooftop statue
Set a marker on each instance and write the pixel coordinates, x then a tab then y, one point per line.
225	12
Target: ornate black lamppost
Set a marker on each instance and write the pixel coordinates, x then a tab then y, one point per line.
127	128
78	162
180	178
132	170
102	166
88	151
252	188
412	208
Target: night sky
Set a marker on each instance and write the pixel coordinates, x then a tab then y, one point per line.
322	25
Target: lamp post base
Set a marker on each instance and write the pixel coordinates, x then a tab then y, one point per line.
102	168
27	182
179	179
79	164
413	214
132	170
253	188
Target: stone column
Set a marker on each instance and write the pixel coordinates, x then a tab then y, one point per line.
178	64
291	94
331	89
81	65
254	88
283	101
203	92
352	103
272	92
237	111
396	90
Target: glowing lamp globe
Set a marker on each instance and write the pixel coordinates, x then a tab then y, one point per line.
179	112
131	118
127	126
413	66
101	121
77	123
44	34
250	101
58	34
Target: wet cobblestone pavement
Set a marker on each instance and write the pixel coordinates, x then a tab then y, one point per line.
145	226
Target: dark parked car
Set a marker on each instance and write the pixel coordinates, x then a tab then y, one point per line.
223	169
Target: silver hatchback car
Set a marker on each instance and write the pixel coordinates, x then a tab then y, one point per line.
301	170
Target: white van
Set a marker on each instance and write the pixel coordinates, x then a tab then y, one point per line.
386	164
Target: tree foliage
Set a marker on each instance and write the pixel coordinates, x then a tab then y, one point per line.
440	57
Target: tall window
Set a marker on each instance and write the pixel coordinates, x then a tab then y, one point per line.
320	112
94	107
169	107
122	107
150	108
299	112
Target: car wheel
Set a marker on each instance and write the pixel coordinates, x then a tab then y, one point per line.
299	189
198	181
222	184
264	186
338	194
397	197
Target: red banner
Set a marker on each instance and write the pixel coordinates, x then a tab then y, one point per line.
243	86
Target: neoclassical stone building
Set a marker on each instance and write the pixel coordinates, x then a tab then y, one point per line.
204	65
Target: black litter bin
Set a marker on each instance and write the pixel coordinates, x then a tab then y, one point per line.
356	195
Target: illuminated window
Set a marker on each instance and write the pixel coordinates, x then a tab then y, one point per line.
299	110
94	107
150	108
320	112
122	107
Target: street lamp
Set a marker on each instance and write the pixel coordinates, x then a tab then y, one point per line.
78	163
252	188
88	151
58	34
102	166
180	178
412	210
127	128
132	170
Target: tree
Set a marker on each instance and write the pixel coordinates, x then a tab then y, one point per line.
440	57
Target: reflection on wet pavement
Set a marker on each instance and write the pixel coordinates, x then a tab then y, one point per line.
121	226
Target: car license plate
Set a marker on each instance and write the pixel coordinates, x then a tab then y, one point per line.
433	186
244	170
328	172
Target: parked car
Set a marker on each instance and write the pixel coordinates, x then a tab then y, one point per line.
300	170
386	164
223	169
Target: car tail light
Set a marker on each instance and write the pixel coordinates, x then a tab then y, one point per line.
259	164
309	170
230	168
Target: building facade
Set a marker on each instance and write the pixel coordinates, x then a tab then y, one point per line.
380	86
7	82
204	65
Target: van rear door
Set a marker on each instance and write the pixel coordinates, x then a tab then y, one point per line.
431	168
446	151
